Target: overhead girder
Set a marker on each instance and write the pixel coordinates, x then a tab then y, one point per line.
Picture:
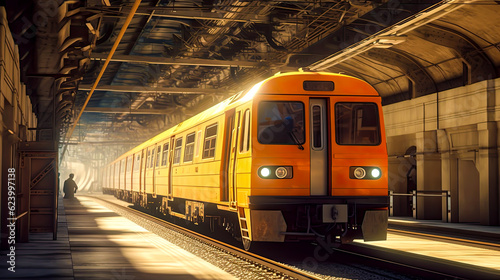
478	65
178	13
421	82
110	110
152	89
176	61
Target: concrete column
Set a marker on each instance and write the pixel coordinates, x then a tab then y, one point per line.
488	173
428	175
448	171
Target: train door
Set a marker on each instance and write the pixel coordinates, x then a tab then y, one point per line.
319	146
142	172
229	153
149	170
232	159
170	168
156	163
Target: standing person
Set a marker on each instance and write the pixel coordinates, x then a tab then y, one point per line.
70	187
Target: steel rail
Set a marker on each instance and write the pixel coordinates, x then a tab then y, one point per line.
235	251
399	264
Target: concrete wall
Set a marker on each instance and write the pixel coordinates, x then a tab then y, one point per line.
456	134
16	115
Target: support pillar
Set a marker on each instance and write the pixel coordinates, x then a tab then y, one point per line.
428	175
488	173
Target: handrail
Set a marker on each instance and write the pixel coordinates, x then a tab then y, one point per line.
446	195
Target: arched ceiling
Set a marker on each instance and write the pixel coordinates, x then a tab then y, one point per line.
180	57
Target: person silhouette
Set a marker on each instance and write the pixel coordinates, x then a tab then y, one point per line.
70	187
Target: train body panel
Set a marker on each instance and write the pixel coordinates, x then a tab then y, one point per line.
297	156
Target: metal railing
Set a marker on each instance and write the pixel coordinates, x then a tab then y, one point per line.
446	201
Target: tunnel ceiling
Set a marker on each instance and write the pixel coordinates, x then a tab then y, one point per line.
180	57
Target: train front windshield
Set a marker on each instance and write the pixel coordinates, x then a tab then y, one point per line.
281	122
357	124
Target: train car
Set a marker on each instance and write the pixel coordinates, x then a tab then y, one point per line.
298	156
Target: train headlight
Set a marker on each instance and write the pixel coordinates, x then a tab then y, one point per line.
375	173
281	172
275	172
265	172
359	173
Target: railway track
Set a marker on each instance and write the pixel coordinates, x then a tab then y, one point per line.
378	262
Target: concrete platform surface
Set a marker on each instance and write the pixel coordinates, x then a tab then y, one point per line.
476	255
95	243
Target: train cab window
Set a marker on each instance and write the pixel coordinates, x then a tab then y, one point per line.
316	120
209	143
158	155
357	124
189	148
281	122
177	150
245	137
164	158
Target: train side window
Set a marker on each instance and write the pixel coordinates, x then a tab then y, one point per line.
177	150
129	164
151	163
189	149
164	158
122	167
149	158
209	143
245	137
137	162
158	155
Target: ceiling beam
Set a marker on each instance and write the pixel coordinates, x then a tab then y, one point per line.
176	61
110	110
152	89
179	13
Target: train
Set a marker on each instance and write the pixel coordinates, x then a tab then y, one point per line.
296	157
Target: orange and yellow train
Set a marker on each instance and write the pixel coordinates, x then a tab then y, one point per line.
298	156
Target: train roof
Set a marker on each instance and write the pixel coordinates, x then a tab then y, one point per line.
277	84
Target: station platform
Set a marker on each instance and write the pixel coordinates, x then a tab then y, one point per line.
468	229
423	245
96	243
